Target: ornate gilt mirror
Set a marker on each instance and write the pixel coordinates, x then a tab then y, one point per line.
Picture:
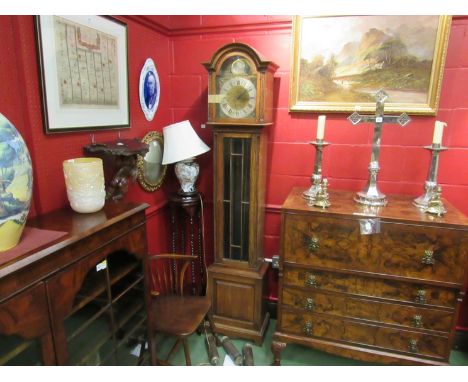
151	172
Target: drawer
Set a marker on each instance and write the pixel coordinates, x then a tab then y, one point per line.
325	242
402	250
336	329
344	306
369	286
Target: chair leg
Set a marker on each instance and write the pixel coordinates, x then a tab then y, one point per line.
173	350
150	339
141	356
188	362
209	315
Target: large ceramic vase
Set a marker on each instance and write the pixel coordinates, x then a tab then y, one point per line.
15	184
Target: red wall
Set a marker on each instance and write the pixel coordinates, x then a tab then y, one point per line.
404	162
178	45
19	72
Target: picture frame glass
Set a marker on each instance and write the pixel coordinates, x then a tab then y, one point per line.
341	62
83	72
149	89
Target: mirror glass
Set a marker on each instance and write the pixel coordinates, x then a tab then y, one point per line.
151	172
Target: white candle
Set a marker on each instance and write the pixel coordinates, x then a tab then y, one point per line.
438	130
321	126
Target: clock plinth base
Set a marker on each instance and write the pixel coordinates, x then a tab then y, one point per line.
256	336
239	310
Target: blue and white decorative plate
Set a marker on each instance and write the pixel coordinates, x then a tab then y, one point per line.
149	89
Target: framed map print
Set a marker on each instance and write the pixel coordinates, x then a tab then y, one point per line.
340	62
83	73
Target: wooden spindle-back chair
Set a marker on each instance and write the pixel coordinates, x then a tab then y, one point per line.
174	313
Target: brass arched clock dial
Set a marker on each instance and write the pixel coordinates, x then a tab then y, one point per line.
239	66
240	96
240	86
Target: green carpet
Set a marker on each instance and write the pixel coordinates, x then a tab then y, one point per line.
293	355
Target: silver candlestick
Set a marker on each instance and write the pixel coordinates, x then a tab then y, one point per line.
430	186
316	177
322	199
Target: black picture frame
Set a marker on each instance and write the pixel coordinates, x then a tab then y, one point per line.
83	72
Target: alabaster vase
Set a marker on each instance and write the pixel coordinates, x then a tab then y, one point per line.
16	181
84	178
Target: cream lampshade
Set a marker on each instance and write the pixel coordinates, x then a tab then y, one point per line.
181	146
84	178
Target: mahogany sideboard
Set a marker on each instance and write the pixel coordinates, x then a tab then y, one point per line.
380	284
80	299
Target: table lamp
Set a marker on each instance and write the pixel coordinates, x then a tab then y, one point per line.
181	146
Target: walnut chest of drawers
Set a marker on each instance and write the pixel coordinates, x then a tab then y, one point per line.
390	297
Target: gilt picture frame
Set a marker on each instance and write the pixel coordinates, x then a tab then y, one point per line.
83	72
338	63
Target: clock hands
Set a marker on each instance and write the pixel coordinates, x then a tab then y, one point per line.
244	91
240	97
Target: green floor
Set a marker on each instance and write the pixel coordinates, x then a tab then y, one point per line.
293	355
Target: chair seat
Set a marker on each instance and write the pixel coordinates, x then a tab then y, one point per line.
179	316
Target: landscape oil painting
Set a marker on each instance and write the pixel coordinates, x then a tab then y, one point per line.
339	63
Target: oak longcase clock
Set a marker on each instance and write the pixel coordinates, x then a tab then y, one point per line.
240	100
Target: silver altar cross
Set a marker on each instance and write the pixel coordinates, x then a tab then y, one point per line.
371	196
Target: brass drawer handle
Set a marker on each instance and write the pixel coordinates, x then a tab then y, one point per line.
307	329
417	321
413	346
428	257
311	281
309	304
420	296
313	244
